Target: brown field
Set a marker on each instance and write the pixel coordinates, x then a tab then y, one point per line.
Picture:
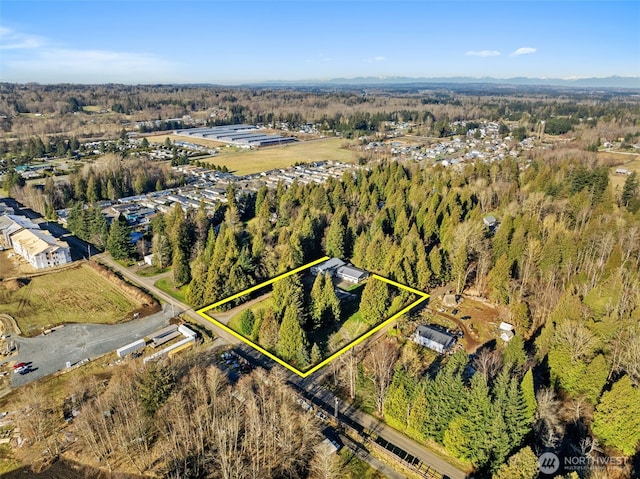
630	161
78	295
244	162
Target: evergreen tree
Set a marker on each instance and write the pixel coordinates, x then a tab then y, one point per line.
514	355
529	395
331	301
399	400
119	241
99	228
375	301
246	321
288	291
155	386
336	235
522	465
180	271
316	354
317	300
498	281
616	420
470	436
268	333
630	197
292	341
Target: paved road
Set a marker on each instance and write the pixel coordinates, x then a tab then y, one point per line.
76	342
178	306
365	456
310	384
325	398
310	387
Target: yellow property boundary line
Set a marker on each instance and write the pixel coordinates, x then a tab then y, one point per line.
202	312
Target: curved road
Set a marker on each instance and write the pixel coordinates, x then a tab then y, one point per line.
178	307
309	385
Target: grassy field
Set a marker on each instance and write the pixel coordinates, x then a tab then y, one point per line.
234	322
630	162
244	162
93	108
79	295
166	285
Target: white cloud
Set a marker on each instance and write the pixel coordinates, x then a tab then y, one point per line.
483	53
102	66
36	59
10	40
523	51
378	58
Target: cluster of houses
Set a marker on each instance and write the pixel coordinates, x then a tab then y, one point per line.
481	144
38	247
209	188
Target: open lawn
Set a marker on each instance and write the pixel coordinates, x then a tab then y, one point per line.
244	162
78	295
265	304
93	108
166	285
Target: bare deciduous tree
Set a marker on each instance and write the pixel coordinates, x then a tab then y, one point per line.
379	364
547	424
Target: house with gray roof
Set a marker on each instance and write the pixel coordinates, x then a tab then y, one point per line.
351	274
330	266
434	339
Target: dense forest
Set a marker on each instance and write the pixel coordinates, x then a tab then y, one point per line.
562	266
101	111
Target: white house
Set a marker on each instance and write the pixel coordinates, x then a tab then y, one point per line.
506	331
351	274
40	249
490	221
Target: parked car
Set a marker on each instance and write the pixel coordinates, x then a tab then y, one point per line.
19	366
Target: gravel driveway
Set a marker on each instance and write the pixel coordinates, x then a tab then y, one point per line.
50	353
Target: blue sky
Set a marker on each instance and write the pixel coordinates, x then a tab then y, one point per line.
104	41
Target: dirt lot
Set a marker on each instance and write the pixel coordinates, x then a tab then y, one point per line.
479	326
78	295
12	265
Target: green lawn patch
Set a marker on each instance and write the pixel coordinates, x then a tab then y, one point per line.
166	285
77	295
148	271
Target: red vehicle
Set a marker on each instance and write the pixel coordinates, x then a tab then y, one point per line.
20	367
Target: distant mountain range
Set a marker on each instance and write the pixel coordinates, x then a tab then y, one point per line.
593	82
